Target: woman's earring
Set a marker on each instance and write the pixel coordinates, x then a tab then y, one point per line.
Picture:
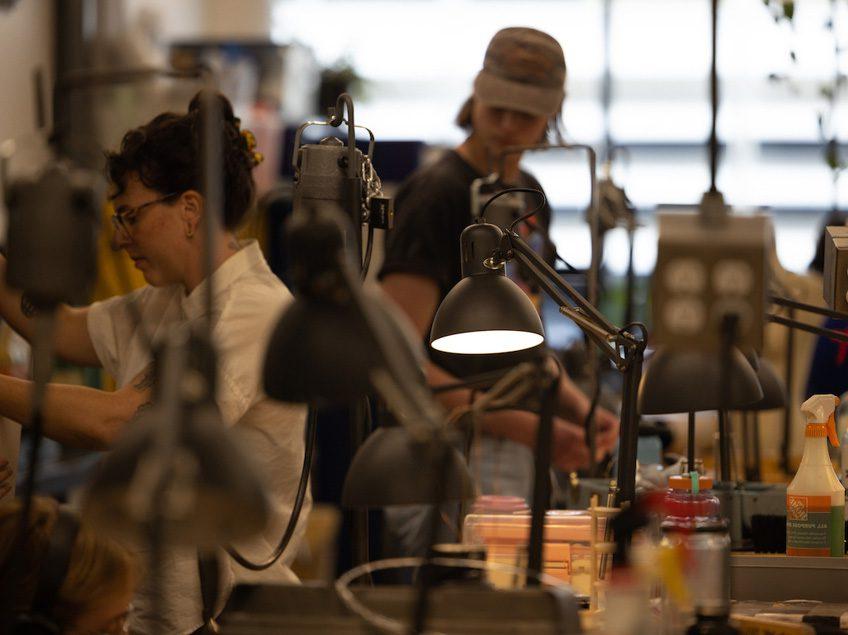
189	233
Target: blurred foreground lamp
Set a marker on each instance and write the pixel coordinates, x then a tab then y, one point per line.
774	390
333	344
394	467
177	470
774	396
486	313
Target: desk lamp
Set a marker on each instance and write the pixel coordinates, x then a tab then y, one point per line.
412	464
335	343
487	313
693	381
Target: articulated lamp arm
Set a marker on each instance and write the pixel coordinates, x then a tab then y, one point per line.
396	379
617	344
788	322
623	347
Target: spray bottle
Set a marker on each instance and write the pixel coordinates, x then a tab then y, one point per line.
842	424
815	500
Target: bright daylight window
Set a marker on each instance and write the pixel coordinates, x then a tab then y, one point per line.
420	56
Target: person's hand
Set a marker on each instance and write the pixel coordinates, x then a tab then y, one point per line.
606	430
569	451
6	475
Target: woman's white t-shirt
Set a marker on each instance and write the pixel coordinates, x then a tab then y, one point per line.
248	300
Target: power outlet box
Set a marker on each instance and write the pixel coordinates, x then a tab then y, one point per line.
708	269
836	268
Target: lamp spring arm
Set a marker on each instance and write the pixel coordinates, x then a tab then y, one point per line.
808	308
606	336
838	336
548	276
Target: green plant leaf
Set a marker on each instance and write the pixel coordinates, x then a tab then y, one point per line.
831	155
789	9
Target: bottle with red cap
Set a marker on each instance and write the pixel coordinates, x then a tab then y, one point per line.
689	501
693	523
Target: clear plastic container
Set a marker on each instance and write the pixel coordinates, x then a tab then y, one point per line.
566	554
493	504
683	507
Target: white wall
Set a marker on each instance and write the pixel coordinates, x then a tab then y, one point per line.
202	19
174	20
26	43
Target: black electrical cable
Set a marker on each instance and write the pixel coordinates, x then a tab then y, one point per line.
567	264
311	431
528	215
510	190
369	248
588	423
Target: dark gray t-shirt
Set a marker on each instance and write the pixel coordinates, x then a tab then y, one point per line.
432	207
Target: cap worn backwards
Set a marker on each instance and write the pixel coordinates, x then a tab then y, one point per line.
524	70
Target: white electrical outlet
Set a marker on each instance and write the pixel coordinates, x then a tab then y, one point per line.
708	269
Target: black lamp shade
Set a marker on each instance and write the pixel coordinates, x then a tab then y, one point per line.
316	354
774	390
213	495
486	314
690	381
324	353
391	468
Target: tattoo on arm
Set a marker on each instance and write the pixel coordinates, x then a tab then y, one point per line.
145	382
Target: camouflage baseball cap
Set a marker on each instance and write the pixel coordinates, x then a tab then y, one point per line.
524	70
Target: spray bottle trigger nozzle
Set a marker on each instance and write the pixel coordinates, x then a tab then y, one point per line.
831	431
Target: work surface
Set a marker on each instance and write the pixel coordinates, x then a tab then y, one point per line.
811	612
776	577
255	610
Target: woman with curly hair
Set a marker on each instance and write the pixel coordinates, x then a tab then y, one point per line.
160	219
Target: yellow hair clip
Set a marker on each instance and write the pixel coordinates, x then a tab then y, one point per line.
250	142
249	139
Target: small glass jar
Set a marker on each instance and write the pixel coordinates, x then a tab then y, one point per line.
693	523
683	507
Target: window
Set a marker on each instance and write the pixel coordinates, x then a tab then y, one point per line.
419	58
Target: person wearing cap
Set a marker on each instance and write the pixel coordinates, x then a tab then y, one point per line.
516	100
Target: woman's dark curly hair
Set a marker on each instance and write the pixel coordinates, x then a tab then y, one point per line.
166	155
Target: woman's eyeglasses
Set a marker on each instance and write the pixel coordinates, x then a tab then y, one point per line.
124	220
